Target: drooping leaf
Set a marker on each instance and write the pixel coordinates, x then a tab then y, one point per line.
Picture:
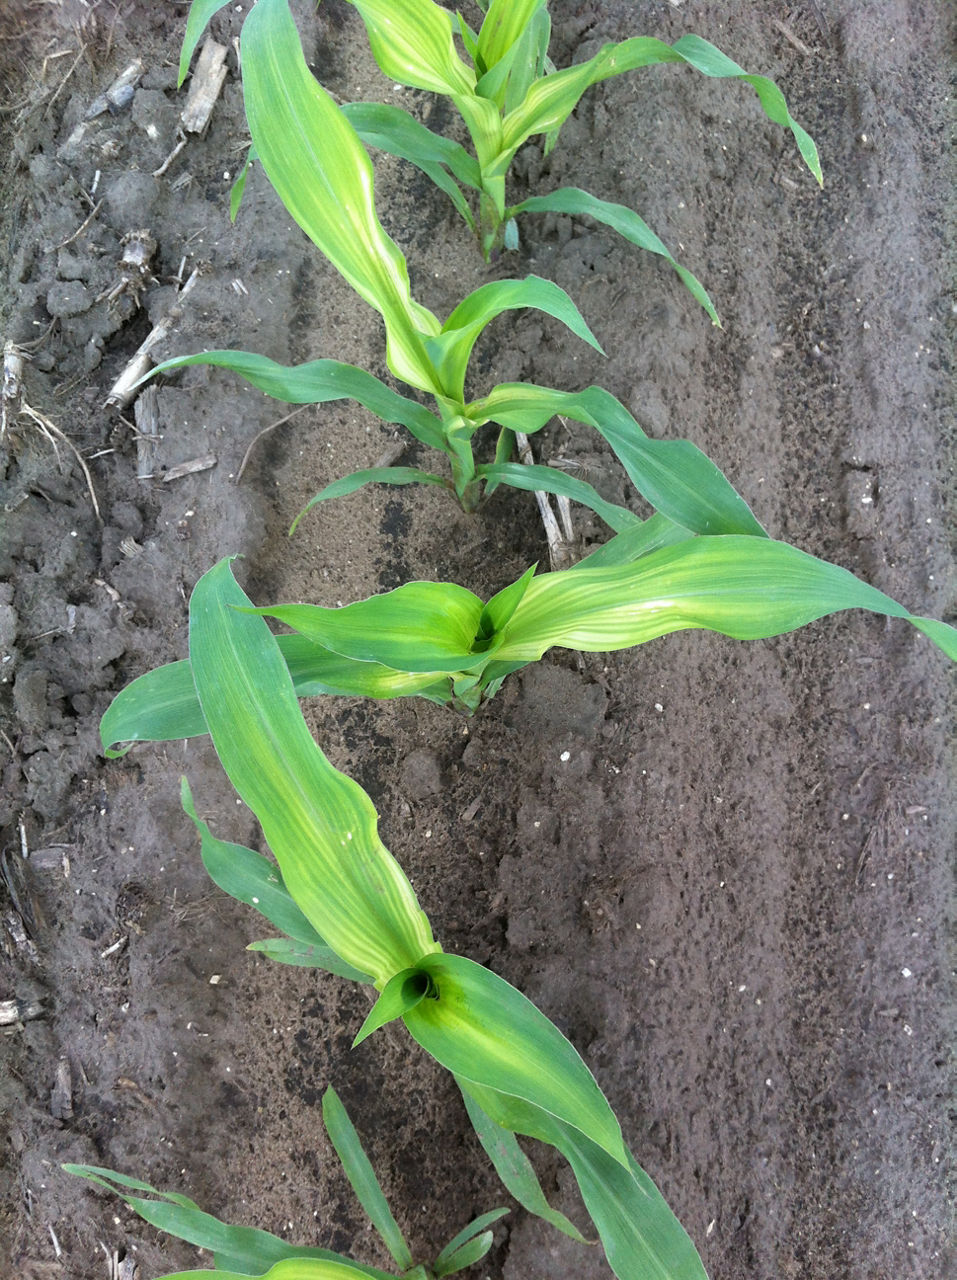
578	203
320	825
162	706
356	480
452	348
746	588
552	99
552	480
515	1169
252	879
673	475
322	173
200	15
420	626
318	382
361	1175
411	40
245	1250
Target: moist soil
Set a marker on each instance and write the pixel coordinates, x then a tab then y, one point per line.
724	870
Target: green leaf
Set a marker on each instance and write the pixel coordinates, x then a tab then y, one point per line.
490	1035
322	173
237	190
500	609
318	382
420	626
673	475
550	480
392	129
465	1255
411	40
451	1259
746	588
551	100
400	995
245	1250
625	548
201	14
361	1175
252	879
320	825
505	23
515	1169
620	218
451	349
371	475
162	706
291	1269
531	61
303	956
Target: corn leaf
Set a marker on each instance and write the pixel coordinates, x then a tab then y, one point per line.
238	189
252	879
578	203
322	173
411	40
318	382
746	588
342	487
162	706
673	475
550	480
531	61
451	349
551	100
361	1175
455	1256
291	1269
200	15
304	956
394	130
627	547
245	1250
515	1169
399	995
491	1036
504	24
428	627
320	825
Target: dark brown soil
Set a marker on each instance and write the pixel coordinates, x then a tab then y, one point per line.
735	894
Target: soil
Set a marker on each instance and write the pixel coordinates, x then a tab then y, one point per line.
724	870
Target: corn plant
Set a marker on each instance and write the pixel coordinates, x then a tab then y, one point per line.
322	172
507	90
438	641
345	905
247	1251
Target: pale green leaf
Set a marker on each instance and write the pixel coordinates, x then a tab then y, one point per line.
200	15
504	24
551	100
291	1269
400	995
318	382
451	349
420	626
746	588
162	706
361	1175
320	825
578	203
515	1169
411	40
322	173
673	475
490	1035
550	480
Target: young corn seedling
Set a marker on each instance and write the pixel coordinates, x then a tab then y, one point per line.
345	905
249	1252
507	90
440	642
322	172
